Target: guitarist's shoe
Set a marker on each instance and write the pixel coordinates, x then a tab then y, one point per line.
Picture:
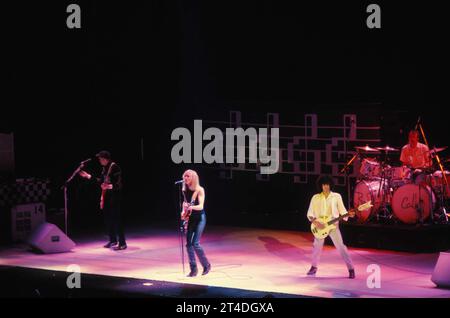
312	271
193	272
120	247
351	273
110	244
206	269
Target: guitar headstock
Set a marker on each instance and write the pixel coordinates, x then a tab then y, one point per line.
365	206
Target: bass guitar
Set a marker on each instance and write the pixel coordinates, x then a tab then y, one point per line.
330	224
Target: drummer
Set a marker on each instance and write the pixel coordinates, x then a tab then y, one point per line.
416	156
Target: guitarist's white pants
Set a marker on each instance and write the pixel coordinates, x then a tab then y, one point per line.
336	237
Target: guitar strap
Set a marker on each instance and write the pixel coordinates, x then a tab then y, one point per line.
194	196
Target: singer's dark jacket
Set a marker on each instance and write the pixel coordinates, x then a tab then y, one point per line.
112	196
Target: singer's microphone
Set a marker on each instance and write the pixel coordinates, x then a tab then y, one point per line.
179	181
417	124
86	161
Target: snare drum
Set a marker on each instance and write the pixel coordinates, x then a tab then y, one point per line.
370	169
421	177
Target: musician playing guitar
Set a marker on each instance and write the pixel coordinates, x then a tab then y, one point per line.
110	183
328	204
194	213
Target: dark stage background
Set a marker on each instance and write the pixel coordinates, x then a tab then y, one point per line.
136	71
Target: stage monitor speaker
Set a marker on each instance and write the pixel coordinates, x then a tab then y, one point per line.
441	274
48	238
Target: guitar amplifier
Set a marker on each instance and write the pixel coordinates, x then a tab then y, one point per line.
25	218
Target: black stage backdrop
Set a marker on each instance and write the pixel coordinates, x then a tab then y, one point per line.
135	71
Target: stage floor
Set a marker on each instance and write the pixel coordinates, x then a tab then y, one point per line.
271	261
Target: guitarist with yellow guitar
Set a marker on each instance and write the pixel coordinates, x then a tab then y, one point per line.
325	211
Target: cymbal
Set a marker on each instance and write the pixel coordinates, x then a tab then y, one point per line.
436	150
387	148
367	149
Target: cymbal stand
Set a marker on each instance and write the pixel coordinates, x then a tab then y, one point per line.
442	211
384	211
441	167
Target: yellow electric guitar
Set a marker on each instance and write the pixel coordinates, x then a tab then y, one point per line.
330	223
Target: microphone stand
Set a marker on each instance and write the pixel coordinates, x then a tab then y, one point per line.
385	187
64	187
347	178
181	225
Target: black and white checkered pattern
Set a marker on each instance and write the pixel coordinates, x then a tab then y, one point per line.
24	191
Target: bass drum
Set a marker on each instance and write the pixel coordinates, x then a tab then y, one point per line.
365	191
407	200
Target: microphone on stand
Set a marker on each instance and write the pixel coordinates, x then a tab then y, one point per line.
417	124
86	161
179	181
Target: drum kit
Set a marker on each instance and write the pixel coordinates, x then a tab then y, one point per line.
399	194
